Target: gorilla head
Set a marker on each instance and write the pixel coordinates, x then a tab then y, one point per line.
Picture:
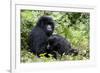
47	24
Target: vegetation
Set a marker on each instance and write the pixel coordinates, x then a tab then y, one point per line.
73	26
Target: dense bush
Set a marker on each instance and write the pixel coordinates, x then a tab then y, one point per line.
72	25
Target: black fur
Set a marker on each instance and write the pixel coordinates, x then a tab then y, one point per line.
57	43
39	35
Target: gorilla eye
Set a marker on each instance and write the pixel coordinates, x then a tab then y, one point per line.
49	27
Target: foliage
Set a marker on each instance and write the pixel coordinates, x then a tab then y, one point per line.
74	26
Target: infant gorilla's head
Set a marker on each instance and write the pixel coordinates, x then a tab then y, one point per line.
61	45
46	23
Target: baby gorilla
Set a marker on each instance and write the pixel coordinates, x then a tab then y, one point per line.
58	44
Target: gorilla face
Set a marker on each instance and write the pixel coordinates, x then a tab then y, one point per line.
47	24
49	28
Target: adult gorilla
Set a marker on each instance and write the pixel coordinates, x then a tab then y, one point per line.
39	35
